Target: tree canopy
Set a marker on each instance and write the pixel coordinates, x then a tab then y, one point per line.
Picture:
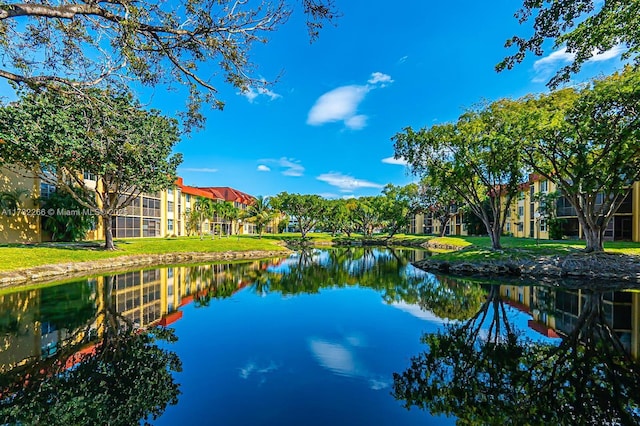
476	158
308	210
61	136
583	28
74	43
586	141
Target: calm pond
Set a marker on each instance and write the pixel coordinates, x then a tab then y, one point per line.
323	337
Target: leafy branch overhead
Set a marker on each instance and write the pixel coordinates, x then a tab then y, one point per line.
584	27
85	43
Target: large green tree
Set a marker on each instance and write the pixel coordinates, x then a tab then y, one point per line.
308	210
441	204
476	158
366	213
587	141
583	28
398	205
75	43
60	136
260	213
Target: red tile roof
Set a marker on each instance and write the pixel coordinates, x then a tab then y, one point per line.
216	192
230	194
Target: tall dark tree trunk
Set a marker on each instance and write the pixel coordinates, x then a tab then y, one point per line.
108	232
494	233
444	221
594	239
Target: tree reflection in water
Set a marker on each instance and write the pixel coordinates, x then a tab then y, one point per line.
107	372
501	377
386	271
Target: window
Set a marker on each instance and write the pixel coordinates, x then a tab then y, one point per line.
170	206
46	190
520	211
544	186
125	226
170	225
170	192
89	176
188	198
543	225
508	226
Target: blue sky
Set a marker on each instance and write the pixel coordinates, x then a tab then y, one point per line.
325	126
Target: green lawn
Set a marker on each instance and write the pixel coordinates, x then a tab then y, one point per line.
18	256
479	248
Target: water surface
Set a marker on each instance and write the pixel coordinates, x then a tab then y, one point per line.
321	337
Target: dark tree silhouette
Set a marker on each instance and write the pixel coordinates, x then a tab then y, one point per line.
502	378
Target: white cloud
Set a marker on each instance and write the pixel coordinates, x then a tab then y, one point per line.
328	195
291	166
341	103
546	66
252	368
418	312
396	161
403	59
356	122
337	105
378	77
288	166
346	183
200	170
252	93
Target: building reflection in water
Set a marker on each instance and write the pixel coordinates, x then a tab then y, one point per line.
60	339
483	370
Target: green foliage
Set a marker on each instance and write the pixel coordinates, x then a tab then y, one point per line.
476	158
586	141
126	380
582	27
154	44
440	203
398	205
556	228
338	217
62	135
68	227
366	213
507	379
260	213
10	200
308	210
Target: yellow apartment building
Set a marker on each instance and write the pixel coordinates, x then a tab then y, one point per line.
555	312
526	220
34	329
159	214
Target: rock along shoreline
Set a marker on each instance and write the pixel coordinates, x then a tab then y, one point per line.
53	272
591	266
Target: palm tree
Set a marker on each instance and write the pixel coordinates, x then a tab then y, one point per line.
10	200
233	214
206	210
260	213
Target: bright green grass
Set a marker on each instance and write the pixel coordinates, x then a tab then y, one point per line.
17	256
479	248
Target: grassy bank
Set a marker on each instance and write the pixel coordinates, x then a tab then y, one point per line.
473	249
19	256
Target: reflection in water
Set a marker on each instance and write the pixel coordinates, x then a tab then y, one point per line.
104	372
93	350
491	374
